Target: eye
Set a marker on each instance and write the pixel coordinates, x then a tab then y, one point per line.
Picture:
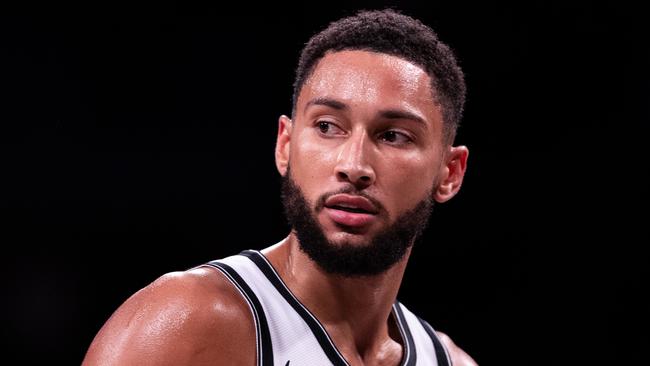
395	138
328	128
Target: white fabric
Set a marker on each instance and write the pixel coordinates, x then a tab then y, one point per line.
291	337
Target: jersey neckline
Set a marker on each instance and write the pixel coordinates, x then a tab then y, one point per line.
319	331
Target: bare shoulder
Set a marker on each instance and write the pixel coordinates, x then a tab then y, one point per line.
458	356
194	317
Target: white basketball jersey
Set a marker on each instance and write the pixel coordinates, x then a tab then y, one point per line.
288	334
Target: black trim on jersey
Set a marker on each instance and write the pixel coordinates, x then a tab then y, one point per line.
437	345
403	325
258	312
316	327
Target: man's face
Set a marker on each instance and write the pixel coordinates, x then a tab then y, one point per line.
365	146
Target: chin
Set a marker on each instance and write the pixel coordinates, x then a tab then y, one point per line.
345	238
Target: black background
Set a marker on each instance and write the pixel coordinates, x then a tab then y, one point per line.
138	140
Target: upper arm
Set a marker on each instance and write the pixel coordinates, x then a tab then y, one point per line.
192	317
457	355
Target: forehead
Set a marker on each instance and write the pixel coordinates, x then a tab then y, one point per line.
370	79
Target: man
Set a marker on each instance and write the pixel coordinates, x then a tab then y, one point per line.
367	152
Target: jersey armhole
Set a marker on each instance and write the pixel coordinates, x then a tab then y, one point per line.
442	355
263	347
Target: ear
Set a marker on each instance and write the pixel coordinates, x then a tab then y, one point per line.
283	144
452	173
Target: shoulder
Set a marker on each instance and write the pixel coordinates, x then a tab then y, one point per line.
192	317
457	355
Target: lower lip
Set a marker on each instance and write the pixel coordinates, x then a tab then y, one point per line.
352	219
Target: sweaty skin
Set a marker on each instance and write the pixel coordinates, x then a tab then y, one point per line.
362	119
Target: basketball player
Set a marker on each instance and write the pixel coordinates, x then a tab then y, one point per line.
367	152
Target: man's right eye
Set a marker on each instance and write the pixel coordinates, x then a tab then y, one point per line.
328	128
323	126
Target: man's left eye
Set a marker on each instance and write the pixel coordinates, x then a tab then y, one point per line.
395	137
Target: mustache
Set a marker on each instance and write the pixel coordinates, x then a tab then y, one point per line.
320	204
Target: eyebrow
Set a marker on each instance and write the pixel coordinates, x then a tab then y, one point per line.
386	113
328	102
401	114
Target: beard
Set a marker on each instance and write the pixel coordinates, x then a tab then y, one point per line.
376	256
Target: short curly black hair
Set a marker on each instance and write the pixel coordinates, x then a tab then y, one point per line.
387	31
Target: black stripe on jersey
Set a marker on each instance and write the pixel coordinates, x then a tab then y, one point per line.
263	334
316	327
411	355
441	351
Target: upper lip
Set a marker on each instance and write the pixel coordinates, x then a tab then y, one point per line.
356	202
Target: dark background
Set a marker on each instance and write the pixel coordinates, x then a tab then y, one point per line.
139	140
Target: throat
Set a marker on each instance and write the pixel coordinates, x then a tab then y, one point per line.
394	330
391	350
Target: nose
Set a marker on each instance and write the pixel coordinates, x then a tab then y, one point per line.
354	163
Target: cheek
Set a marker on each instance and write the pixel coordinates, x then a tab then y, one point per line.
311	165
312	157
409	179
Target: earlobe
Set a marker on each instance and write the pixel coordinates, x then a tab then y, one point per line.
452	174
283	144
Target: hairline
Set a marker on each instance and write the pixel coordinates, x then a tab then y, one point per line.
448	133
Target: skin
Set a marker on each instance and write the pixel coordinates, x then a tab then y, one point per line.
363	119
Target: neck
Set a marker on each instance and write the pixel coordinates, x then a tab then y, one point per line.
355	311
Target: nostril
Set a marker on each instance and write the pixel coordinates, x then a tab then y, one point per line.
356	179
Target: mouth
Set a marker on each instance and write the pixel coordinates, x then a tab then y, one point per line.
351	211
352	219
